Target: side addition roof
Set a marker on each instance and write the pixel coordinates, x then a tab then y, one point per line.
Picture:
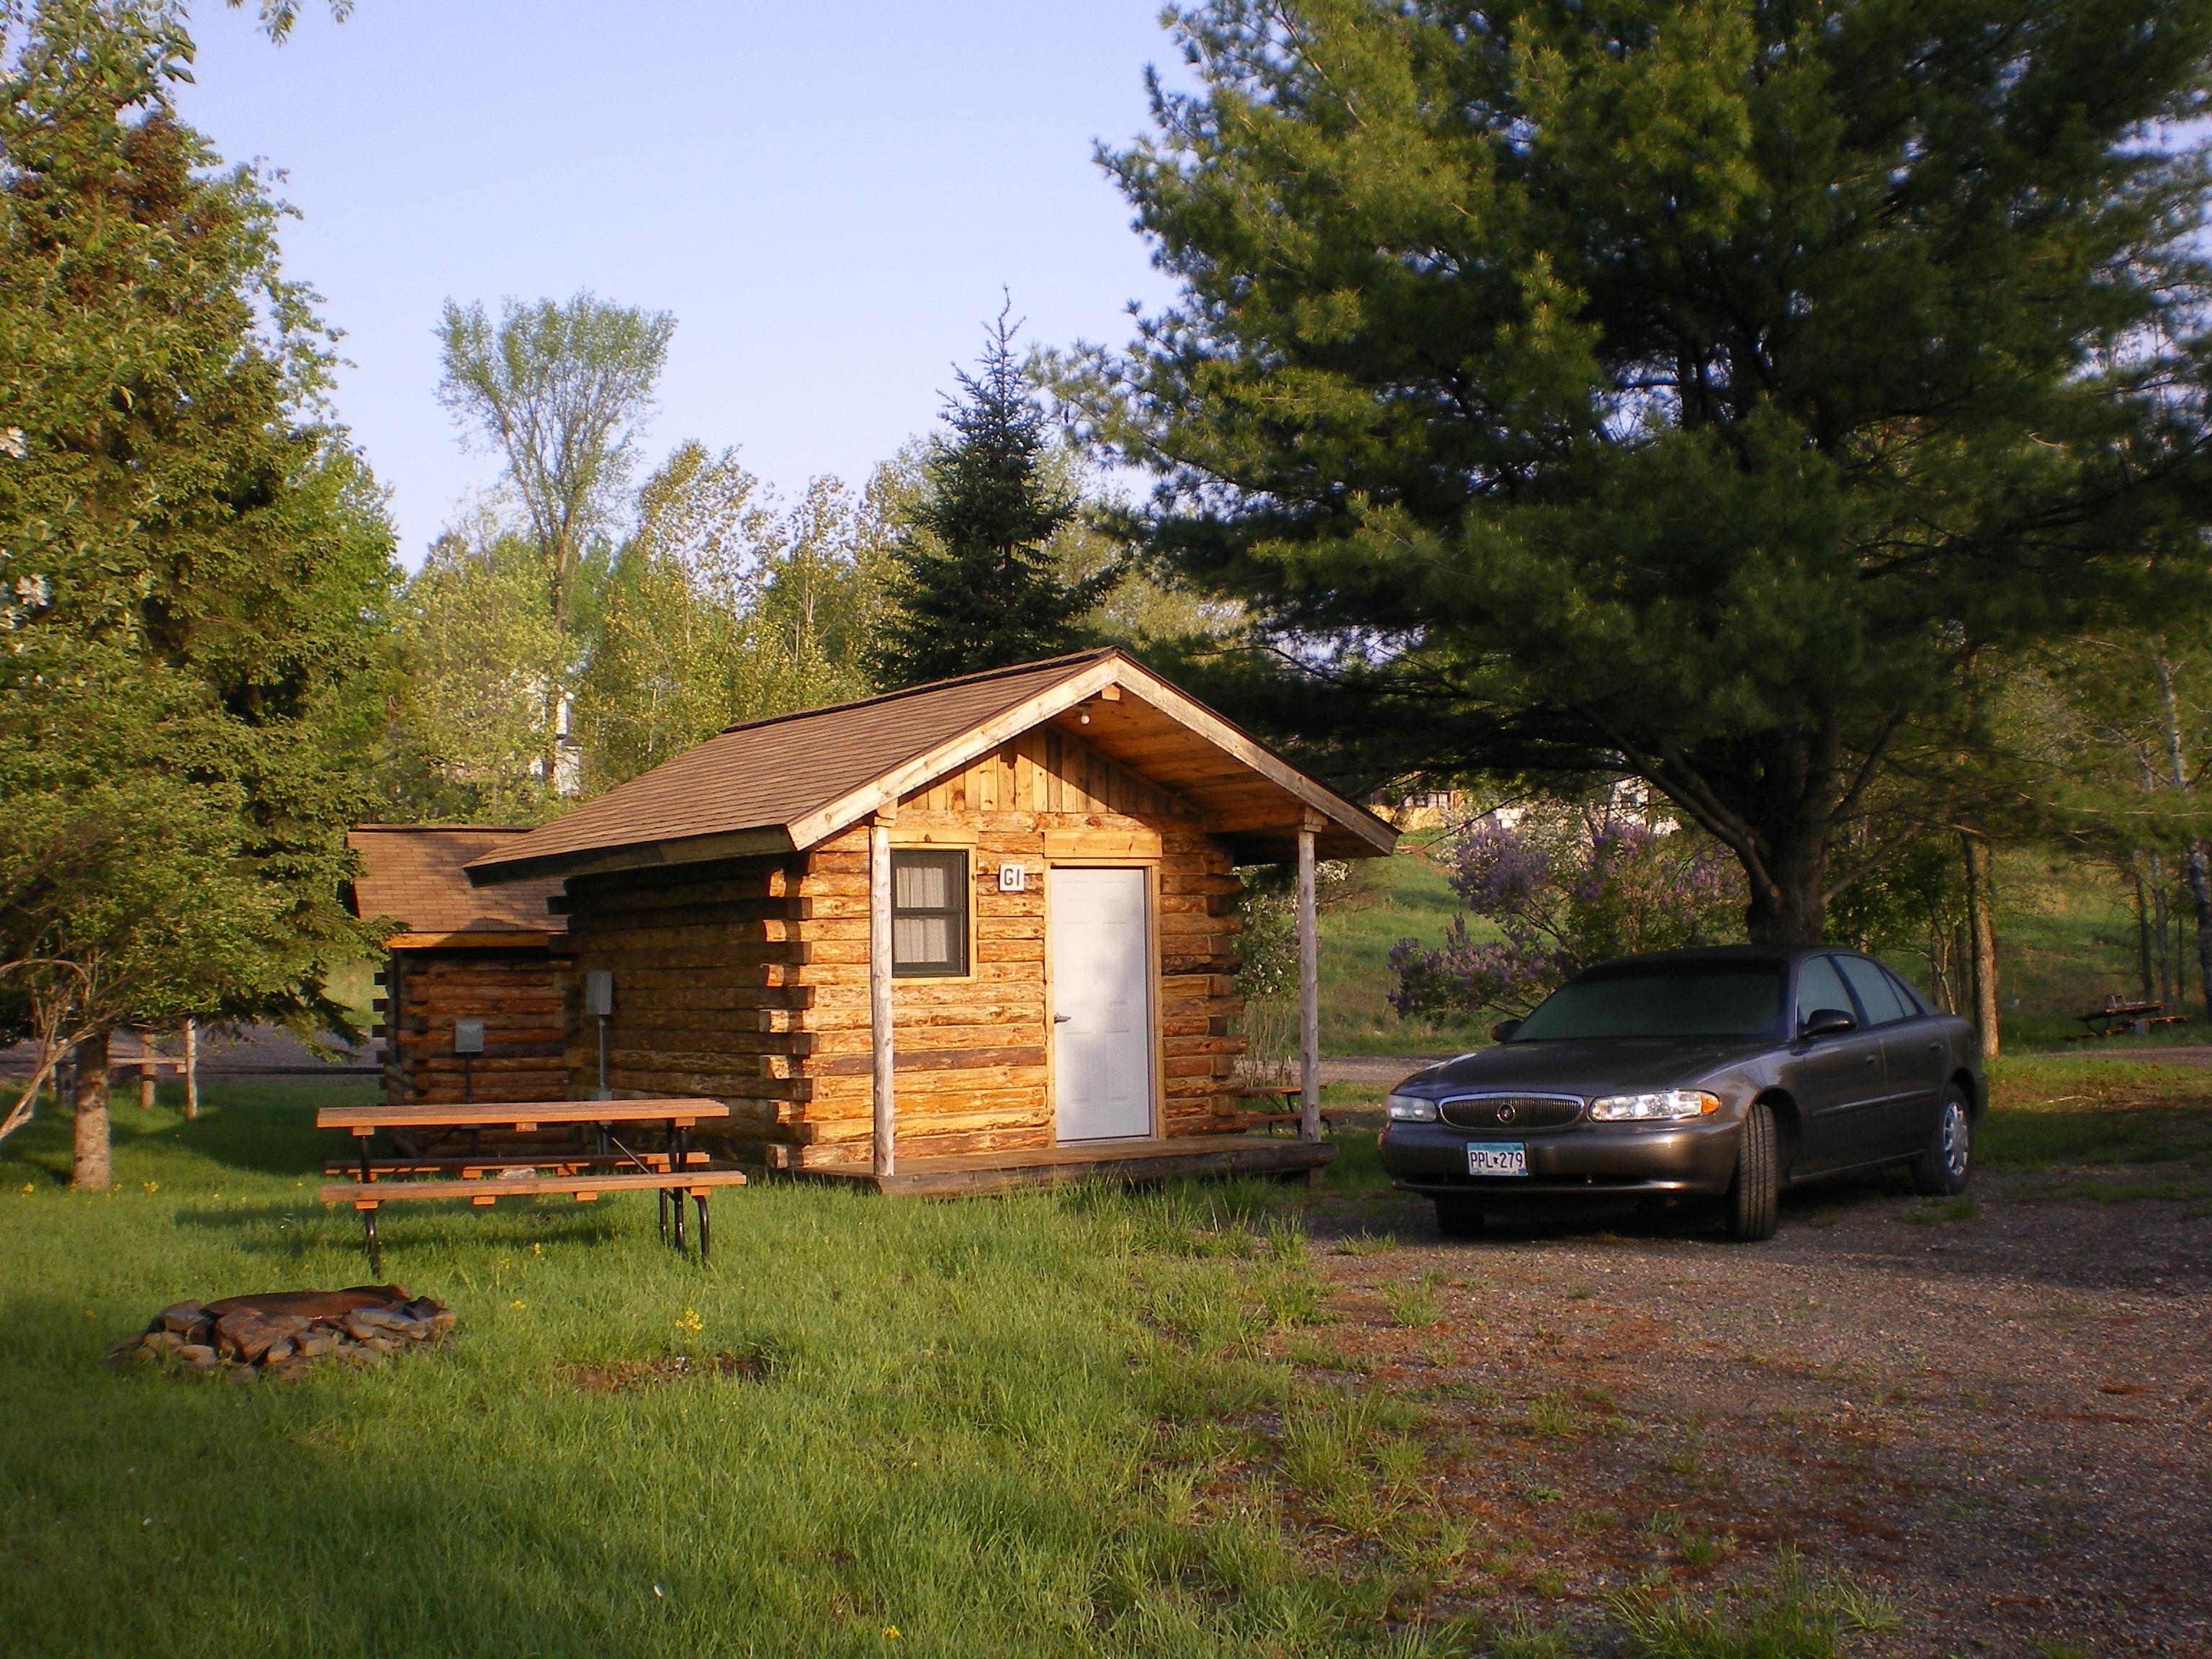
413	873
776	785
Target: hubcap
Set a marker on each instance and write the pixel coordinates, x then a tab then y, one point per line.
1955	1138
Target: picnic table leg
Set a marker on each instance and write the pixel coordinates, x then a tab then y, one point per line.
663	1196
375	1249
700	1199
676	1196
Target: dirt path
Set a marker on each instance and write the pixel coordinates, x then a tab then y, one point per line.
2001	1421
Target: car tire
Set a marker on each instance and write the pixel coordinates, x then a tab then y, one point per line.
1946	1164
1754	1203
1457	1219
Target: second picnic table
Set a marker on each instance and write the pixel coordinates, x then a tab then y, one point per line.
674	1169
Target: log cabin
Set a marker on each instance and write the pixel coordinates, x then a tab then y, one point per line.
495	955
978	934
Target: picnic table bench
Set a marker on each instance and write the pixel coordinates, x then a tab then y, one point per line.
1283	1113
674	1169
2118	1015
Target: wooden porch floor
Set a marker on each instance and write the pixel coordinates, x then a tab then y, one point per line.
1133	1162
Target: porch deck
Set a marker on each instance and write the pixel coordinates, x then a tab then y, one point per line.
1135	1162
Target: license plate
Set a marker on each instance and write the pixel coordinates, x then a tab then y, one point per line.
1497	1157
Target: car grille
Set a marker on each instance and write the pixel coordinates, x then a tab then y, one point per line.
1511	1111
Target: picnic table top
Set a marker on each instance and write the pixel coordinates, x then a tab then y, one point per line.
2115	1008
684	1109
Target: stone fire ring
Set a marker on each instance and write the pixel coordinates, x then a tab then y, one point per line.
280	1334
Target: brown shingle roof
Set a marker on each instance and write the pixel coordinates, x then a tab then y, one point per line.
412	873
774	772
798	779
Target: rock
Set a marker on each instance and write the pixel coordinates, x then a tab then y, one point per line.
314	1341
279	1350
243	1373
247	1335
199	1356
285	1371
379	1319
180	1316
379	1344
443	1320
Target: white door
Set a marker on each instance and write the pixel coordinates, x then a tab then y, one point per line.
1102	984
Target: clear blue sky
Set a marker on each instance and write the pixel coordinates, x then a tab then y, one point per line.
829	198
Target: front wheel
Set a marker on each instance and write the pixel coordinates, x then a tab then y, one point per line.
1946	1164
1753	1204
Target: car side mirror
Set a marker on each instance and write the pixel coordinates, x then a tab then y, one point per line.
1829	1022
1504	1030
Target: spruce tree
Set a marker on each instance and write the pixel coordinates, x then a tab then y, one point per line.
974	585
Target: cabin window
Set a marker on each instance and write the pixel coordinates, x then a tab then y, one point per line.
929	915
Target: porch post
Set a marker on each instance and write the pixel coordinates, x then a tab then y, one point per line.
1309	990
879	986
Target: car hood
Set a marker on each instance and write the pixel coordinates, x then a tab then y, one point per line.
1584	1068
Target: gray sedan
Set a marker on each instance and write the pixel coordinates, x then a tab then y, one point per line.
1725	1073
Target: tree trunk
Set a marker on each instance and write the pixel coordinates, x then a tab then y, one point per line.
1981	943
2162	959
2196	864
90	1168
1789	907
2143	927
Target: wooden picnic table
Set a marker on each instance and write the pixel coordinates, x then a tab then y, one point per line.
610	1167
2118	1016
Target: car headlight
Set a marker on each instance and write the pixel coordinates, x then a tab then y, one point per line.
1658	1103
1411	1108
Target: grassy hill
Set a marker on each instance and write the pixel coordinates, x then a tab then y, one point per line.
2066	939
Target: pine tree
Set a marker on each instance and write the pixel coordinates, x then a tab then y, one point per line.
974	585
1697	389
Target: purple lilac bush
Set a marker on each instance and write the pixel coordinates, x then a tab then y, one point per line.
1562	894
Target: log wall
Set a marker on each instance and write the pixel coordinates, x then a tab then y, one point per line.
518	993
705	1001
747	981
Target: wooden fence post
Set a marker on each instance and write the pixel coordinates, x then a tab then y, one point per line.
1308	989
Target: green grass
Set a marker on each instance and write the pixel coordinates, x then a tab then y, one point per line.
2053	1111
1403	897
957	1439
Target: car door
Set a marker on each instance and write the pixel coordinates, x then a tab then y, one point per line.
1839	1081
1913	1052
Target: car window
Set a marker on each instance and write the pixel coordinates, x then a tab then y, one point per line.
1915	1004
1676	999
1819	985
1876	995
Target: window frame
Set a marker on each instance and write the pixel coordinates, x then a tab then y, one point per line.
1867	1021
959	912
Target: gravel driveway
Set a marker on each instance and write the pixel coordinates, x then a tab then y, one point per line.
1995	1413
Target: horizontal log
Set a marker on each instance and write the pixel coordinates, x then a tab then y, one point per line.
928	1059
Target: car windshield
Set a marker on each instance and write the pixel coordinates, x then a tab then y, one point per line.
1678	1000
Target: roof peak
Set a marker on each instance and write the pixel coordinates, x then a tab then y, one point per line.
1097	653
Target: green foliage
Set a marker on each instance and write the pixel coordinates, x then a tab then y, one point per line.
723	607
193	564
558	393
974	583
1700	388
